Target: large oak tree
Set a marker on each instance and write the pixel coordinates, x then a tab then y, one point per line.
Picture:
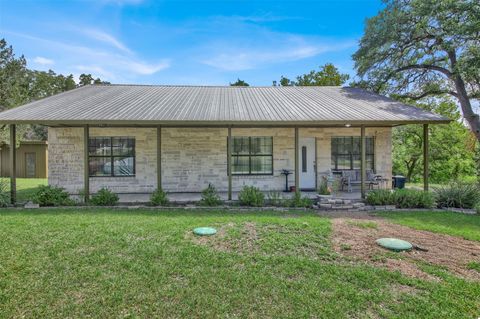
421	48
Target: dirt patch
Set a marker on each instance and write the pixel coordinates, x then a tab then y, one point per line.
230	237
453	253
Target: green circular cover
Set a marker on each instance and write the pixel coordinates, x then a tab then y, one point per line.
204	231
394	244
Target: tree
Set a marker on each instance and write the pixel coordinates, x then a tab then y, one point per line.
239	83
327	75
421	48
452	146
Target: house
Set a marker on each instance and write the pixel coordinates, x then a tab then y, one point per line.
31	159
135	138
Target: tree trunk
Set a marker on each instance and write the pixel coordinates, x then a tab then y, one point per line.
467	111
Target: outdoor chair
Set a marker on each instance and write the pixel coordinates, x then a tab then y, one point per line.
353	177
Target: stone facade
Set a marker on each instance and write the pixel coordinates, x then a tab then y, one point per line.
194	157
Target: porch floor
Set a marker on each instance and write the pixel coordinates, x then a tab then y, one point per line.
182	198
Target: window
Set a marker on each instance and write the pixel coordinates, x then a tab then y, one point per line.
111	156
252	155
346	152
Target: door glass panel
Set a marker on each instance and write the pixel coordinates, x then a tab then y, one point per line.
30	165
304	159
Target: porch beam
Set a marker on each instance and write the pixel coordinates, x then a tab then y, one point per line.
426	157
362	161
159	157
13	164
86	173
229	162
297	160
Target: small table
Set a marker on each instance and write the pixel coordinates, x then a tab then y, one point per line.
382	181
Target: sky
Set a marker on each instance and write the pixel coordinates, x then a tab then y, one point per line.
186	42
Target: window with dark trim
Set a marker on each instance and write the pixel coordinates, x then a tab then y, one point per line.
252	155
111	156
346	153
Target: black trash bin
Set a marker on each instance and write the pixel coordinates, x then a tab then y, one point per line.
399	181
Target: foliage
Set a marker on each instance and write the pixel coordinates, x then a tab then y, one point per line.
20	85
275	199
47	195
251	196
4	193
452	147
459	195
104	197
413	198
328	75
419	48
239	83
323	189
210	196
298	201
159	198
401	198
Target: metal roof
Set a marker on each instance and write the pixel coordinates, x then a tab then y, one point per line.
212	105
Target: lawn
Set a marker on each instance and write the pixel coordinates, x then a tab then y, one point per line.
142	263
462	225
26	187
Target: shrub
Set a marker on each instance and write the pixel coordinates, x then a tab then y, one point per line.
47	195
323	189
380	197
274	199
298	201
104	197
159	198
413	198
401	198
458	195
210	196
4	193
251	196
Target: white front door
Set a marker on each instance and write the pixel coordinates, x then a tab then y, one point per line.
306	151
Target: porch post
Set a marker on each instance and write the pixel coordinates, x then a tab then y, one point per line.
297	173
86	173
13	164
426	157
229	162
159	157
362	160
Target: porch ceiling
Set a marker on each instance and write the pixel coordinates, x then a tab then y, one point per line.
202	106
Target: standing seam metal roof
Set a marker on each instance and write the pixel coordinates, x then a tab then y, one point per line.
140	104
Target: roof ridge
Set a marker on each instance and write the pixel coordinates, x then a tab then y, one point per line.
214	86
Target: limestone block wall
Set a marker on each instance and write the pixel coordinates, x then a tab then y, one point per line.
194	157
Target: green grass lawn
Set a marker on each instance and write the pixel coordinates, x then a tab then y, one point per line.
26	187
455	224
141	263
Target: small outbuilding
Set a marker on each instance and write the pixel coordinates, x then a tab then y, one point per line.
31	159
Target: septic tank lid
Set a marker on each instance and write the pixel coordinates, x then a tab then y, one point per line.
204	231
394	244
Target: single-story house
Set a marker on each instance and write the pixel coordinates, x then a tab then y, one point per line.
134	139
31	159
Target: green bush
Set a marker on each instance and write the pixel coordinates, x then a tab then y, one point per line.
210	196
413	198
298	201
47	195
380	197
323	189
159	198
458	195
4	193
401	198
251	196
104	197
275	199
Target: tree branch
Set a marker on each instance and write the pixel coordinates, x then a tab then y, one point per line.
428	93
425	67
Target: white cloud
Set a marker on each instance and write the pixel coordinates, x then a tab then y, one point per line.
106	38
43	61
231	57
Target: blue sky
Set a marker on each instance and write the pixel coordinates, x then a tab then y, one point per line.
185	42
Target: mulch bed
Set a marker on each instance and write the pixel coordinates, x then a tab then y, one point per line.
454	253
